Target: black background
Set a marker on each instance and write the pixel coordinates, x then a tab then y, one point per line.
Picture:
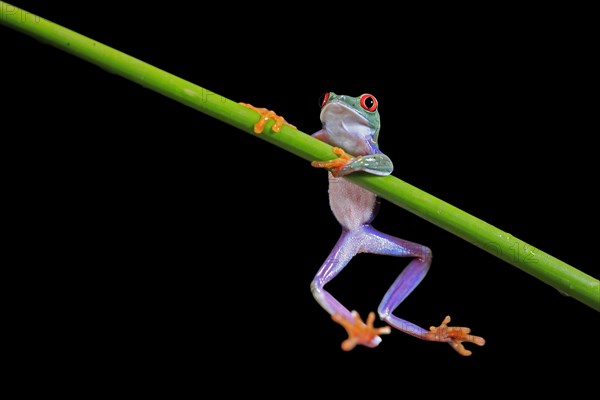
177	248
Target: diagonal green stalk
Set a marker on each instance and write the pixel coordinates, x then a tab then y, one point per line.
526	257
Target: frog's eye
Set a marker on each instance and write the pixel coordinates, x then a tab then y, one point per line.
323	99
368	102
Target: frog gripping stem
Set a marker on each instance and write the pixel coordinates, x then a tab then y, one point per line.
335	165
351	126
265	116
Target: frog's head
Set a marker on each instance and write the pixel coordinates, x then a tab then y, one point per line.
350	119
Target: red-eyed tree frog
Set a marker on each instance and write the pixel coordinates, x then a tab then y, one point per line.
351	125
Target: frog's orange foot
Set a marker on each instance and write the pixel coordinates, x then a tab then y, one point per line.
454	336
359	332
266	115
336	164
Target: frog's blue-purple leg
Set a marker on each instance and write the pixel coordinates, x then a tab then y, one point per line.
381	243
369	240
347	246
377	242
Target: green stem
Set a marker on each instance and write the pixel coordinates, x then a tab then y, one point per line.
537	263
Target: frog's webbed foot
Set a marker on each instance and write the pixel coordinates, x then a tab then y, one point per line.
454	336
360	332
266	115
336	164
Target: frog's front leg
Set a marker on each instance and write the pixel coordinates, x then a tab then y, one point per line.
359	332
376	164
265	116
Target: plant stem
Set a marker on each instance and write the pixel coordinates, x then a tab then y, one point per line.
531	260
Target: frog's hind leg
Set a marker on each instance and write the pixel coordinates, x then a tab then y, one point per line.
359	332
340	256
380	243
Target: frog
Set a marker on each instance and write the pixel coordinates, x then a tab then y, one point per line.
351	126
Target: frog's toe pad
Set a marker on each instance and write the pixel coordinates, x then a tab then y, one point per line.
359	332
266	115
454	336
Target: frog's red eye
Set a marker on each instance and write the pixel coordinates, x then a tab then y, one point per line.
323	99
368	102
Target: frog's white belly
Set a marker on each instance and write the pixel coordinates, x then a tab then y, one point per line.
352	205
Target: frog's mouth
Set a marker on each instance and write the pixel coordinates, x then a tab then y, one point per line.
336	114
338	118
